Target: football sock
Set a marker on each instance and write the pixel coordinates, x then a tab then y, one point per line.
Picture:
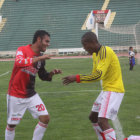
9	133
109	134
39	131
98	131
133	137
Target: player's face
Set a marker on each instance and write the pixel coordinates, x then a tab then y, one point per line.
44	43
89	47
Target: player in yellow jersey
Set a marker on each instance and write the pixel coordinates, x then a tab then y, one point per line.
106	67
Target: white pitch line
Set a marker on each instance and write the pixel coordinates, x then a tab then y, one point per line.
65	91
118	129
69	91
72	91
137	117
4	73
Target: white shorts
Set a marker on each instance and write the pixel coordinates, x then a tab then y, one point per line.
107	104
16	108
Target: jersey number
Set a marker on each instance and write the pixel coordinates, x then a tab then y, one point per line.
40	107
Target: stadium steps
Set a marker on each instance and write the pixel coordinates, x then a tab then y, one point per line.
111	19
62	19
84	25
104	7
1	3
127	12
2	23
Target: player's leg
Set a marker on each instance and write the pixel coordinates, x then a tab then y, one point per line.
133	62
109	108
15	112
94	120
38	110
131	66
108	133
103	123
93	117
41	127
130	63
10	132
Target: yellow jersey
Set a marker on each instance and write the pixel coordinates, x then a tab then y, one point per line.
106	67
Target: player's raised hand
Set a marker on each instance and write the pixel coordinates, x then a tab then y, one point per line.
69	79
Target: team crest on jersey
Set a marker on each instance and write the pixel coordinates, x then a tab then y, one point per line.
19	53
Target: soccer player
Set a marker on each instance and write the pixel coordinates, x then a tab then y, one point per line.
106	67
21	93
131	58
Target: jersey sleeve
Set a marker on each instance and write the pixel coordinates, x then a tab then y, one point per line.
21	60
43	74
99	72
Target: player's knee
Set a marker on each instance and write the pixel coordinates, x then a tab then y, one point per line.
103	123
93	117
11	125
44	119
47	119
90	118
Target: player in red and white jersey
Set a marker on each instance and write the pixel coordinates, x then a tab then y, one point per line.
22	96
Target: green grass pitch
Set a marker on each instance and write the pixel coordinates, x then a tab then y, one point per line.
69	106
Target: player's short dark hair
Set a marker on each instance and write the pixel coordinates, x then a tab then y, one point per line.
130	47
89	37
41	34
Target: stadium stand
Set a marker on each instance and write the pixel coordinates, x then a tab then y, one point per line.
127	11
63	20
